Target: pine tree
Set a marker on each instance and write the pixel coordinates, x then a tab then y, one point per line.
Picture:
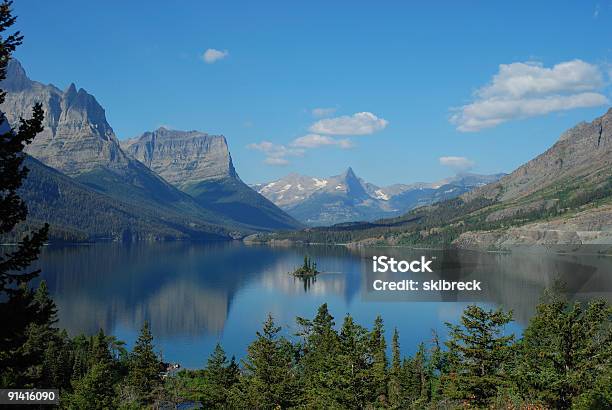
378	351
352	365
144	367
395	386
478	350
99	350
437	366
58	363
18	307
321	362
95	391
220	375
566	354
269	379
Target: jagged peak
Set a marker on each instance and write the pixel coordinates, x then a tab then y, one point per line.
71	89
349	174
16	77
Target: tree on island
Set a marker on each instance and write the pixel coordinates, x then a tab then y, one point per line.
308	268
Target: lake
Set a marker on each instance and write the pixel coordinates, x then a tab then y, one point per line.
196	294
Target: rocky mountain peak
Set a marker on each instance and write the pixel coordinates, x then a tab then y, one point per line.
71	91
76	136
183	157
349	173
16	78
580	152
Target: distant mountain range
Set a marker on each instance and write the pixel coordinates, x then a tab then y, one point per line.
561	197
346	197
78	142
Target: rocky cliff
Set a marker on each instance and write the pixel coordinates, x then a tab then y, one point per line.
183	157
201	165
76	138
582	152
573	178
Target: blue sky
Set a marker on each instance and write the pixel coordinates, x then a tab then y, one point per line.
421	74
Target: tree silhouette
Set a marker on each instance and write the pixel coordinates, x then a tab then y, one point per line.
20	309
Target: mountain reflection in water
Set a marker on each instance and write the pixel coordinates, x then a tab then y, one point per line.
195	294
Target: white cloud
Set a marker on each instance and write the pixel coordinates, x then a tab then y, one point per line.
212	55
316	141
458	164
521	90
276	161
276	154
361	123
357	124
323	112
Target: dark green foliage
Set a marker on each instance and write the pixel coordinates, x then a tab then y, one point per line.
478	350
144	376
78	213
269	378
211	386
234	200
395	387
567	353
378	348
96	390
353	364
27	316
308	269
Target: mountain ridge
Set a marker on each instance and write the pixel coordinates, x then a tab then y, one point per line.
78	141
347	198
561	197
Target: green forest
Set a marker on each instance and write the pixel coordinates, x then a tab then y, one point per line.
563	360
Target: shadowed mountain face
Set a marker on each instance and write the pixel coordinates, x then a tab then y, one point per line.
77	212
346	197
201	165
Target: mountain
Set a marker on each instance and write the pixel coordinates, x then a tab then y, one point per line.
201	165
346	197
561	197
78	141
78	213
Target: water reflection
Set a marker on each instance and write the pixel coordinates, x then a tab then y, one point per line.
190	292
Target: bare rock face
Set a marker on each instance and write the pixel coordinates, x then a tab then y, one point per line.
183	157
200	165
581	152
76	138
592	226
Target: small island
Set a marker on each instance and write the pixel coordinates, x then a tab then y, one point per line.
307	270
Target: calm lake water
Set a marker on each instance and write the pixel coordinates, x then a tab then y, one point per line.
197	294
